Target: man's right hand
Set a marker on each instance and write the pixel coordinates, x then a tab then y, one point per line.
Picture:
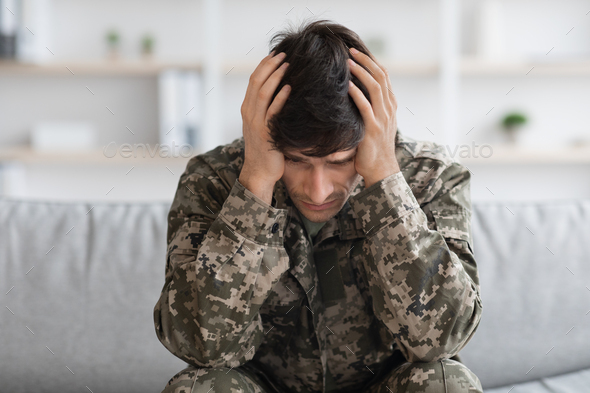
263	166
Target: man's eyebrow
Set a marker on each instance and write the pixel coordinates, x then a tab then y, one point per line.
291	157
343	160
340	161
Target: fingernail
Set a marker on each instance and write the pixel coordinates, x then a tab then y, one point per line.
284	65
351	62
287	88
353	51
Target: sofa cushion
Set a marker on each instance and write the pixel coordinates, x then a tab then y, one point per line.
534	266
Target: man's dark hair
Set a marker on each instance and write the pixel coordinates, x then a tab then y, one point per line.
319	117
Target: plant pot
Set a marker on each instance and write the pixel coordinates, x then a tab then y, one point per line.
511	135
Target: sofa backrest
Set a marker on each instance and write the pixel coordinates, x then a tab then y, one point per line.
534	266
84	278
88	301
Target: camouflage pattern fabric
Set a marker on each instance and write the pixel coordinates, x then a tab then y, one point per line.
392	274
446	375
222	379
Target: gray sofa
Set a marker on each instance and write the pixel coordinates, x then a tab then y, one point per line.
79	282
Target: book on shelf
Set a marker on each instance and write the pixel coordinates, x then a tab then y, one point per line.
25	30
180	111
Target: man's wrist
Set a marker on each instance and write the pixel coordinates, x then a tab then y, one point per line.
259	187
378	175
248	215
394	198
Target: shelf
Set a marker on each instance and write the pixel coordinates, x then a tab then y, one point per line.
469	67
152	68
476	67
27	155
95	68
501	154
519	155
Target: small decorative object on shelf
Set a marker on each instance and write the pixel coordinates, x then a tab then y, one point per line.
511	123
580	142
113	42
147	46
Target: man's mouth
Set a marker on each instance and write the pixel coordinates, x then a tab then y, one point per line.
319	207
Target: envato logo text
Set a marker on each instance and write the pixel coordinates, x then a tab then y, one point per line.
467	151
126	150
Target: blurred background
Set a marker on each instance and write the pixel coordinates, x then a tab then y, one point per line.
107	100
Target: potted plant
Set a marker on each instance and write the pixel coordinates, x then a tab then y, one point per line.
147	45
513	122
113	42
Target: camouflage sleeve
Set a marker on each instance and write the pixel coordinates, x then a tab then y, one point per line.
422	275
225	253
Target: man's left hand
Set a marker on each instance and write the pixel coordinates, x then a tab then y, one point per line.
375	158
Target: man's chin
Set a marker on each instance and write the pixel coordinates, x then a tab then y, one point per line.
318	216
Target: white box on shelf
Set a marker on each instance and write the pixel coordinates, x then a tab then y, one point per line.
63	136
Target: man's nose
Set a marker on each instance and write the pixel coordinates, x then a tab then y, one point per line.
319	188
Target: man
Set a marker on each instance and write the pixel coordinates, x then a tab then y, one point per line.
324	251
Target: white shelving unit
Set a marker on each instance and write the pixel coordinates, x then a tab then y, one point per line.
448	72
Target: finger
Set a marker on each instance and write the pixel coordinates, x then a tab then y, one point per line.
375	69
248	104
265	68
278	103
265	93
361	103
389	91
374	88
391	94
374	72
259	68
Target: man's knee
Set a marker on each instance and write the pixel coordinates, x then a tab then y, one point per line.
211	380
445	376
458	378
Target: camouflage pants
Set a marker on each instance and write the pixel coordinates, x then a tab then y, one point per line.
446	376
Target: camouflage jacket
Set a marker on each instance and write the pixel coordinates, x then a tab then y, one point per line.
393	271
